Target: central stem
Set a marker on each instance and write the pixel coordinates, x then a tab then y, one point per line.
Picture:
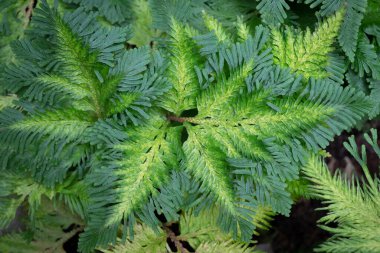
180	119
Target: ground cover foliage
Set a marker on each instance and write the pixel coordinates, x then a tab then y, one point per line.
171	125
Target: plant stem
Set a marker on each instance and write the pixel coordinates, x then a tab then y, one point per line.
175	239
180	119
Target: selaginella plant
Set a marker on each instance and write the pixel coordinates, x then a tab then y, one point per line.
352	204
148	137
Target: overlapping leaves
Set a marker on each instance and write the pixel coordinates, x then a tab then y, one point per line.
71	89
208	122
235	123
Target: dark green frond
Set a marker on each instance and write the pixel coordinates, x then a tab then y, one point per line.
366	59
115	11
375	95
181	10
354	13
273	11
348	37
328	7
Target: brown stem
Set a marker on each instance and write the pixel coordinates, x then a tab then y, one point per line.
174	239
175	118
179	119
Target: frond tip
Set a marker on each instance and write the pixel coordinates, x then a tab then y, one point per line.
307	53
352	206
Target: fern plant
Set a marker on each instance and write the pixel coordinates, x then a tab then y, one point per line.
135	139
76	71
225	119
352	204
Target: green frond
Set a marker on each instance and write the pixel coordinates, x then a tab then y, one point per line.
212	24
307	53
115	11
352	206
142	25
208	164
375	94
181	73
263	217
243	30
216	97
327	7
201	231
83	66
139	83
230	12
348	36
163	11
141	167
60	125
29	136
286	118
354	12
273	11
374	30
242	61
179	193
145	240
137	13
225	246
299	188
366	59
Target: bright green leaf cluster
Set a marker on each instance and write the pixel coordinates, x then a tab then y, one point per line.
307	53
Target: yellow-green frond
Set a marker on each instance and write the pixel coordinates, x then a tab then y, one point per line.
145	240
207	162
212	24
243	30
307	52
353	207
181	72
203	234
142	164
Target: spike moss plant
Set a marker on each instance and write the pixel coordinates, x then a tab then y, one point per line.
134	139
